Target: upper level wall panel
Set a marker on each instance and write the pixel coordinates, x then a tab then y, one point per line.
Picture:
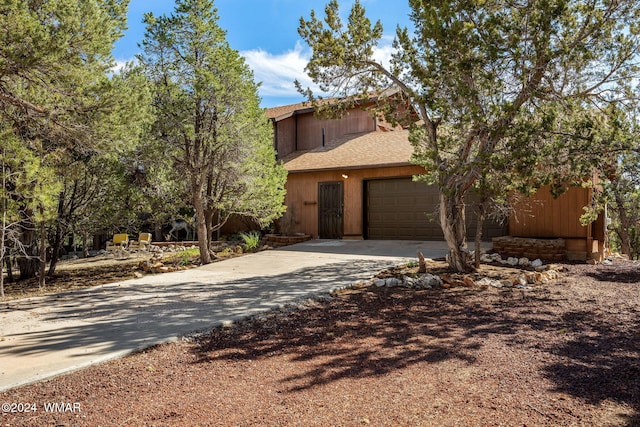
285	134
310	128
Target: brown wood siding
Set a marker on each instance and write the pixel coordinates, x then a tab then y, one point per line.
545	217
302	197
404	116
310	128
285	133
541	216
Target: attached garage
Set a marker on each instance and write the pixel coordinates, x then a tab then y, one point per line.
400	208
358	185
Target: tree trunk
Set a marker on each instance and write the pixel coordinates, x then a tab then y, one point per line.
208	217
28	266
55	251
453	226
57	242
203	237
158	235
29	261
85	244
625	223
2	255
9	261
43	255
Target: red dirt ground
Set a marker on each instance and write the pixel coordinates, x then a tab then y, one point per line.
560	354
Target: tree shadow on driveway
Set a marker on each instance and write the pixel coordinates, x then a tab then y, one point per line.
47	335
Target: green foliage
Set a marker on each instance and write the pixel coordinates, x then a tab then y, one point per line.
225	252
188	255
182	258
623	194
55	59
61	103
30	185
209	122
251	239
503	91
412	264
618	193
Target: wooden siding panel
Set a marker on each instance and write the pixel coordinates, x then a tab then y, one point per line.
543	216
540	216
302	207
285	133
302	197
310	128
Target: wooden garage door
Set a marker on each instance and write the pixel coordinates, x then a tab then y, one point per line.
406	210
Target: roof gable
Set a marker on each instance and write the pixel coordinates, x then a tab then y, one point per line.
284	111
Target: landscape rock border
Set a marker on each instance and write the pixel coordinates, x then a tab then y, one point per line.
525	274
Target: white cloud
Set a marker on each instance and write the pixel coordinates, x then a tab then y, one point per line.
382	53
277	72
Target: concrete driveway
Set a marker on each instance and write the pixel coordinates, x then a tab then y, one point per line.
47	336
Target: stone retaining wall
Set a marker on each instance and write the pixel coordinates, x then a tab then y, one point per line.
186	243
546	249
278	241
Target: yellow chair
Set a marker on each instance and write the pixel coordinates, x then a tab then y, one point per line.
143	242
119	242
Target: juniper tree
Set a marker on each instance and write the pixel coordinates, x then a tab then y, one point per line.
485	77
57	98
209	119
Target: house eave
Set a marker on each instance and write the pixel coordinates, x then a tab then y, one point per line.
352	167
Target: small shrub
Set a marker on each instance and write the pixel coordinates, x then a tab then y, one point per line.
225	252
251	239
183	258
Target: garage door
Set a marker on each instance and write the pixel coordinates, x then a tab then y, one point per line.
406	210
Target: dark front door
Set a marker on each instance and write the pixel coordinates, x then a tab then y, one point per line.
330	210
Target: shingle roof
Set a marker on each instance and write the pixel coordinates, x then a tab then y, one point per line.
284	111
275	112
371	149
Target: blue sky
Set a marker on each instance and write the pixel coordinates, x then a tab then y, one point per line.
265	33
